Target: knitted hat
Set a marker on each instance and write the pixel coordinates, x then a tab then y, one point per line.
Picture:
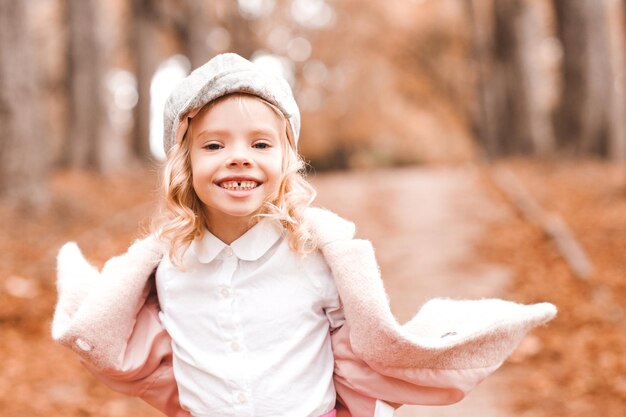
224	74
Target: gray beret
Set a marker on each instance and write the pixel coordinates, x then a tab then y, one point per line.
222	75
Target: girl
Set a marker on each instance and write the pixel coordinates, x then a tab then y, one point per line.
246	301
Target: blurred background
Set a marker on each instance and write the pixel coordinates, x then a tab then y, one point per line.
516	104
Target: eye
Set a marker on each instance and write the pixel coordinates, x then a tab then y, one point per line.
212	146
262	145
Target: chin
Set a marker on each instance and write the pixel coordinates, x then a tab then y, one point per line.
242	212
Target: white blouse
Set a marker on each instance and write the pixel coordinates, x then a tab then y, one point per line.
250	326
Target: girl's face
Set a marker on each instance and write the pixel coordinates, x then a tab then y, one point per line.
236	157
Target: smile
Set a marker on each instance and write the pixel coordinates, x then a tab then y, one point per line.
239	185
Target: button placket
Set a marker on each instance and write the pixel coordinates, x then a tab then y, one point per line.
226	292
230	266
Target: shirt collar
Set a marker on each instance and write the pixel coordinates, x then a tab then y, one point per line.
249	247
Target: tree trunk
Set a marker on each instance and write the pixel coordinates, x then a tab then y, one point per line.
200	22
483	113
115	137
617	116
160	31
243	39
582	118
523	127
86	98
535	80
100	136
23	147
146	63
511	117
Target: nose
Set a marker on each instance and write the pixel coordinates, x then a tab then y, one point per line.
239	158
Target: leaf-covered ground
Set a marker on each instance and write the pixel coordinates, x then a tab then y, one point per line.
576	366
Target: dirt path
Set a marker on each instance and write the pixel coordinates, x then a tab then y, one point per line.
424	224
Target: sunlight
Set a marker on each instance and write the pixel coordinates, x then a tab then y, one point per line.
315	72
254	9
312	13
218	39
121	86
167	76
299	49
275	64
278	37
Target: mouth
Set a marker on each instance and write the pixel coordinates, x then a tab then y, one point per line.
239	184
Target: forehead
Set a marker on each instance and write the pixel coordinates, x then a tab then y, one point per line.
238	110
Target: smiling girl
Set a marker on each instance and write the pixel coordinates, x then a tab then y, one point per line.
240	153
246	301
248	316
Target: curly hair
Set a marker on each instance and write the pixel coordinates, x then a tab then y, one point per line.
181	218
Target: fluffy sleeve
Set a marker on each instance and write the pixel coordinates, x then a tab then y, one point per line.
110	319
436	358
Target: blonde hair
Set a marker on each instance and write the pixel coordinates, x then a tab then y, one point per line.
181	218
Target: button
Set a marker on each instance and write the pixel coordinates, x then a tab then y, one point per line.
235	346
225	292
242	398
82	345
228	252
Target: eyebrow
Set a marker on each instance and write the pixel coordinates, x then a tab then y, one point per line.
209	132
264	131
221	132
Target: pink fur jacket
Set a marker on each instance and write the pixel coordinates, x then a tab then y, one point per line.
110	318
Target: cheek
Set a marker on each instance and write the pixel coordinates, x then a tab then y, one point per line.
200	174
200	167
275	169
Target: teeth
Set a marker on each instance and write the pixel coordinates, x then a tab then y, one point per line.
239	185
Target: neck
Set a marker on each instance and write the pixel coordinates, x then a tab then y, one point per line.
229	229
